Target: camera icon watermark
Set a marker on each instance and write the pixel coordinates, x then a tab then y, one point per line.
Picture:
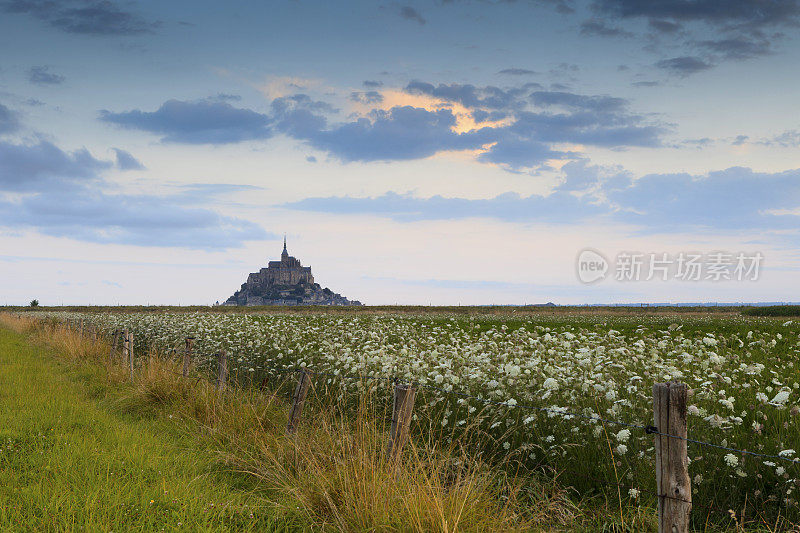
592	266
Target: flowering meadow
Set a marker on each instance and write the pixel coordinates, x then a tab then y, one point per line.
532	391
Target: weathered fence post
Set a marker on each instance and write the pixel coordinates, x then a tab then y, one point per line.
672	461
222	377
114	342
187	355
300	392
129	338
402	410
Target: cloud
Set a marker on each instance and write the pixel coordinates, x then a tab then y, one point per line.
372	84
368	97
9	122
43	76
225	97
63	194
602	104
471	96
599	28
645	84
514	127
738	47
654	203
34	167
517	72
401	133
198	122
125	161
683	66
98	18
740	140
409	13
711	201
559	207
748	13
787	139
518	152
664	26
140	220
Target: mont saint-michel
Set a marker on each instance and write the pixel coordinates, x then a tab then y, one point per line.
285	282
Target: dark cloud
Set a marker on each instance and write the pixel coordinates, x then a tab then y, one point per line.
409	13
400	133
645	84
125	161
368	97
683	66
43	76
738	47
199	122
87	17
752	13
63	195
9	122
471	96
727	29
517	72
586	127
372	84
664	26
601	28
34	167
519	152
739	140
517	126
301	101
311	159
605	104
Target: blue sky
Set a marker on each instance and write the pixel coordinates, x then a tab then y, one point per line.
414	152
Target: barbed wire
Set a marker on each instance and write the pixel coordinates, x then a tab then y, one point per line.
565	413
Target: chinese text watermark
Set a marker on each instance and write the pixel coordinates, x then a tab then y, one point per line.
592	266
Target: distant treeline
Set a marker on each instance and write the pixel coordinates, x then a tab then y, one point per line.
773	310
464	310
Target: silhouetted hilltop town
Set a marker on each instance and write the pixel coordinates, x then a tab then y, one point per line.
285	282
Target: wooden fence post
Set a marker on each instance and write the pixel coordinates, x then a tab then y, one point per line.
402	410
187	355
129	338
222	377
300	392
672	461
114	342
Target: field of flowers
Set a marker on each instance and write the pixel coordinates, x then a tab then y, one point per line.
744	373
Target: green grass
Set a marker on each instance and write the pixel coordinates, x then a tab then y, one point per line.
69	461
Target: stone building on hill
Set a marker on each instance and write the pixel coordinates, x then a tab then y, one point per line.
285	282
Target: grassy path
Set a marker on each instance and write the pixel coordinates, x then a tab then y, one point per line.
69	461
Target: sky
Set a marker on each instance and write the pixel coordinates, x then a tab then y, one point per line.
448	152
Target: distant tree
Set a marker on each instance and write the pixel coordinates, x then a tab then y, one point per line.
34	303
